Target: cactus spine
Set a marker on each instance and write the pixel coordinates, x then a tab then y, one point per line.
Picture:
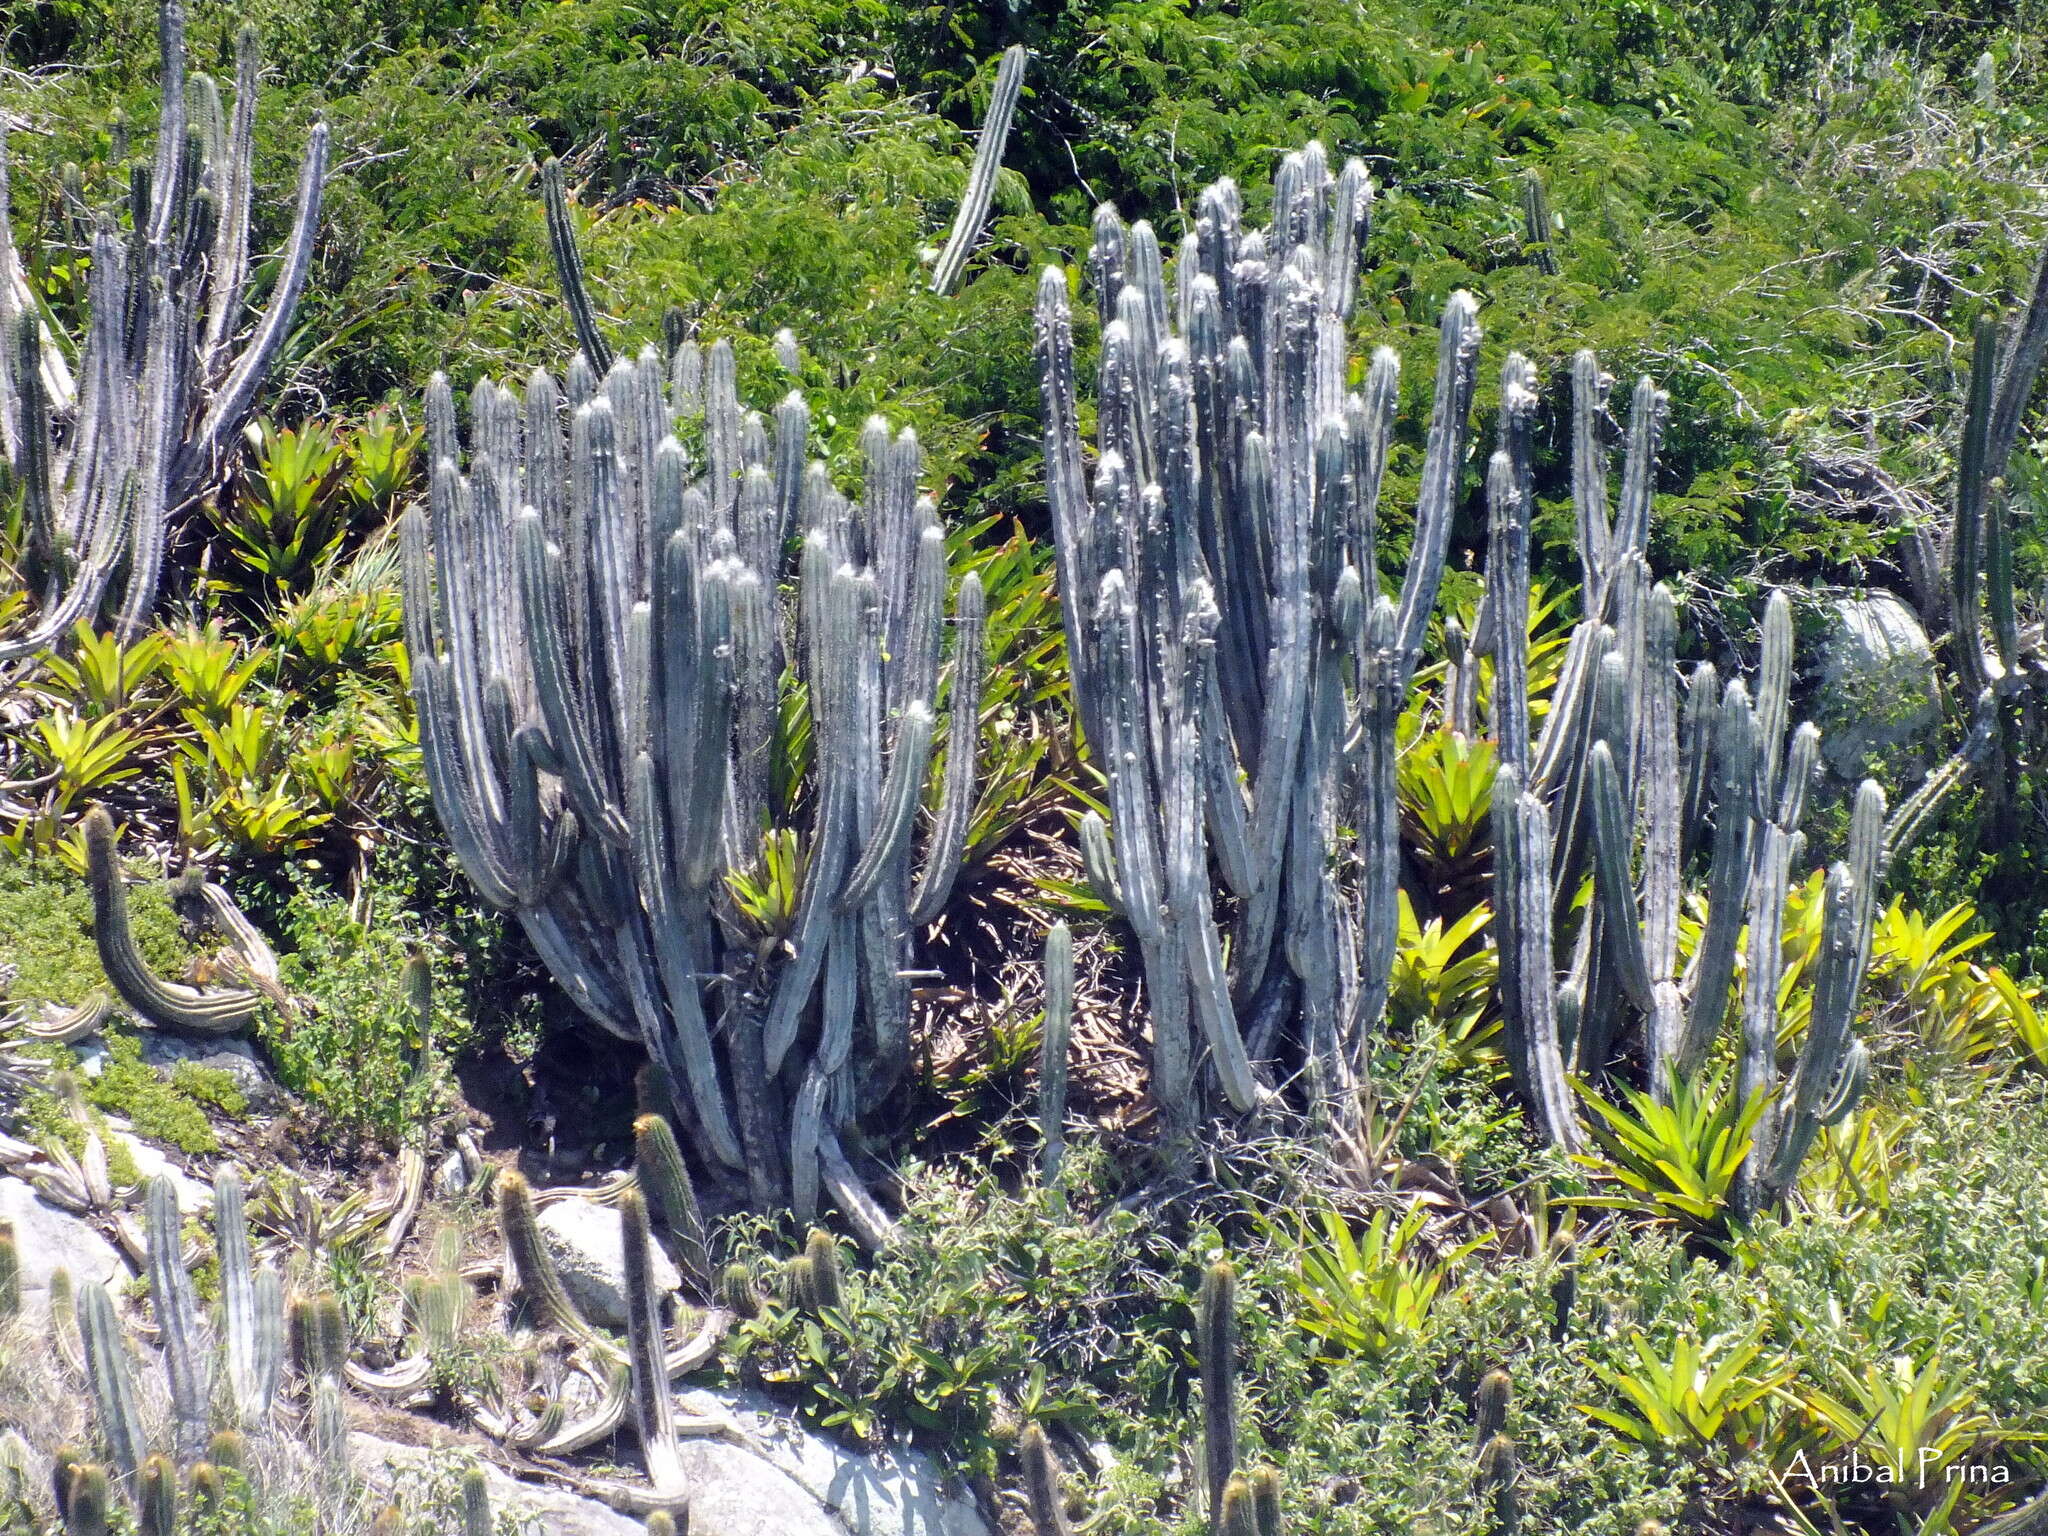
169	367
1045	1497
981	180
598	660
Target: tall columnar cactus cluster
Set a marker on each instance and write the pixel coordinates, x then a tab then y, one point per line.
1235	665
600	636
1616	786
169	368
1240	674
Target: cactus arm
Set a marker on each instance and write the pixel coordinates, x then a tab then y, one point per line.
658	1161
963	730
1714	963
534	1267
1590	388
113	1385
569	267
1828	1062
1914	813
168	1005
1998	581
543	600
1663	831
653	1406
908	762
1773	698
176	1308
236	396
1521	833
1507	568
1613	884
1536	228
2021	365
1966	544
230	274
981	180
1443	462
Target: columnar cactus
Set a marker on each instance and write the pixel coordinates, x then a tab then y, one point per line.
1052	1054
599	652
169	369
1216	1354
1224	624
981	180
168	1005
1239	676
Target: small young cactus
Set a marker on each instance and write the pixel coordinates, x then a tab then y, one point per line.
826	1281
156	1498
1490	1408
1237	1512
1216	1352
737	1292
87	1501
1052	1053
476	1503
658	1163
1266	1491
1042	1490
1499	1472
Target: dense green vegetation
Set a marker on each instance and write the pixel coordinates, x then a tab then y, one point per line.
1793	218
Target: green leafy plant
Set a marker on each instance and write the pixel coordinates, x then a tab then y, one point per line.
289	514
1674	1162
1694	1395
1368	1294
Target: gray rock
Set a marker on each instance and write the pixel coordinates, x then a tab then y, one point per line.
385	1464
48	1240
1877	691
588	1248
884	1493
236	1057
735	1493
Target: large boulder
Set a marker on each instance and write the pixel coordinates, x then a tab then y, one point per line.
1877	692
889	1492
47	1240
590	1250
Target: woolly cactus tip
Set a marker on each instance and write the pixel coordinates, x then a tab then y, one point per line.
87	1500
826	1279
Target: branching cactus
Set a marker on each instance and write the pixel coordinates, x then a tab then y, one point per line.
601	662
171	362
1620	773
1225	628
